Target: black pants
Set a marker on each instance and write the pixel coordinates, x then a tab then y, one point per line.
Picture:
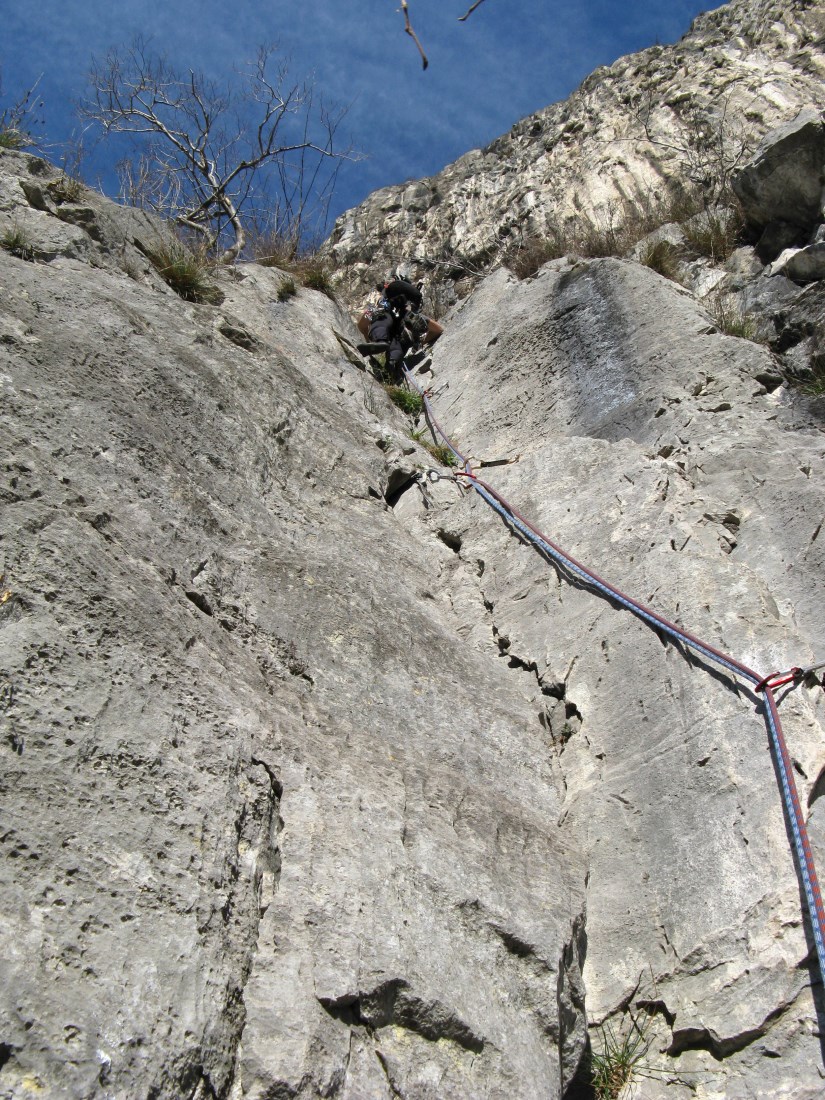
389	329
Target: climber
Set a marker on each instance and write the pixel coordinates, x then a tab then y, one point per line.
395	323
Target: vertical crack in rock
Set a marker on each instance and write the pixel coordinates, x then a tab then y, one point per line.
262	853
268	862
382	1061
570	999
555	690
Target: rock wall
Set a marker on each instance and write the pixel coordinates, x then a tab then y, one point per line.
317	781
270	826
625	137
648	450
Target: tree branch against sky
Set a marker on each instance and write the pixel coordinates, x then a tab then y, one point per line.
205	146
408	27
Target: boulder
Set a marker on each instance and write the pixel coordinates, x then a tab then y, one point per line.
802	265
783	182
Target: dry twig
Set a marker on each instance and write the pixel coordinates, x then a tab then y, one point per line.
408	28
470	11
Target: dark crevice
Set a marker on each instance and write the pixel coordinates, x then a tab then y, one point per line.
582	1087
658	1008
398	482
518	662
818	789
239	336
514	944
392	1004
200	601
450	539
6	1054
277	785
701	1038
576	1079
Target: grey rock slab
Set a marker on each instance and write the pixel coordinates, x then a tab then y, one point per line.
802	265
270	824
647	452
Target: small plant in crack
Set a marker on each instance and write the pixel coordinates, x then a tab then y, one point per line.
443	454
407	400
620	1057
286	290
17	241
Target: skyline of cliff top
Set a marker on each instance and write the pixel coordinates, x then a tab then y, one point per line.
507	60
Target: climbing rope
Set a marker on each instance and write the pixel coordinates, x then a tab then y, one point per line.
762	685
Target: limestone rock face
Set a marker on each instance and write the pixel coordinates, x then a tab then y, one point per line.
647	449
663	117
271	825
320	782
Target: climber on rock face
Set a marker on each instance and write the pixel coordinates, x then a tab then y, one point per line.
397	307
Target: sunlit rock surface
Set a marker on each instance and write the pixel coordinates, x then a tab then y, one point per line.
666	117
319	782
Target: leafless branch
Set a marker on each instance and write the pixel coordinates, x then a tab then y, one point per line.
213	148
409	29
708	143
470	11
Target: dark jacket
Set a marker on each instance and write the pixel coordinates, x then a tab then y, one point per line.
399	292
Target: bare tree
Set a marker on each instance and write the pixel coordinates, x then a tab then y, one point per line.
408	27
210	148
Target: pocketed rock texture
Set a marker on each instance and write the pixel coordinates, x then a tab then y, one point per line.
269	826
317	780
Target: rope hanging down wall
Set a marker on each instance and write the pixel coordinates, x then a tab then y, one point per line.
762	685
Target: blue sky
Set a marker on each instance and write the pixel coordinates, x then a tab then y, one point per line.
510	58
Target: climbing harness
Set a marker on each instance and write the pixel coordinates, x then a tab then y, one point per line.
761	685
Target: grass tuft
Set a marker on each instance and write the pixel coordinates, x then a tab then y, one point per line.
287	290
730	318
442	454
17	242
66	189
313	274
440	451
662	256
613	233
619	1059
12	139
408	401
186	272
714	234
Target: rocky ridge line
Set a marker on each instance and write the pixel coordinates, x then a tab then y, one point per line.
744	68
